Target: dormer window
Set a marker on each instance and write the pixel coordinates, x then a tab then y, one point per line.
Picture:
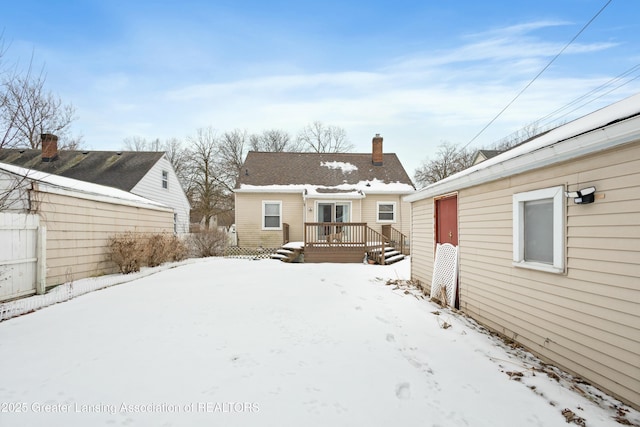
165	179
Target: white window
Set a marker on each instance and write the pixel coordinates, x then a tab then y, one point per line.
538	229
165	179
272	215
386	212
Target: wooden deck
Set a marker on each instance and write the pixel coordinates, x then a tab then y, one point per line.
343	243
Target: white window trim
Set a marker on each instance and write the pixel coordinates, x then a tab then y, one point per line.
557	194
335	202
395	212
165	181
271	202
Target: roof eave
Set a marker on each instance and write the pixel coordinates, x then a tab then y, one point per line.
596	140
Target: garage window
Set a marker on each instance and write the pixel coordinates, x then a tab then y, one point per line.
538	229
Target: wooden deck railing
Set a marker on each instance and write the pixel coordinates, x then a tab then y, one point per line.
376	246
349	242
335	241
396	239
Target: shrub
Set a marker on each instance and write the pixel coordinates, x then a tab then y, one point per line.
127	251
178	249
157	249
130	251
208	243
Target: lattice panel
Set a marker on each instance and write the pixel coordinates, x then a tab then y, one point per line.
445	272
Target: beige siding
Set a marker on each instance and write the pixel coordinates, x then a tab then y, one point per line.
370	212
249	219
422	241
311	211
78	230
587	320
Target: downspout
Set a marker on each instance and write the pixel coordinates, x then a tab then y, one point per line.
304	214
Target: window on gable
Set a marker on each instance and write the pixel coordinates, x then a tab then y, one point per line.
271	215
386	212
538	229
165	179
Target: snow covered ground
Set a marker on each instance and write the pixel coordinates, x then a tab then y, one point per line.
233	342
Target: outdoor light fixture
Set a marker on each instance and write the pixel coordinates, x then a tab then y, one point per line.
582	197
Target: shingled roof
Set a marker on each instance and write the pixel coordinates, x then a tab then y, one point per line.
119	169
321	169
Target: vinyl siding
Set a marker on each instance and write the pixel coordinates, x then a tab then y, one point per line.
78	230
150	186
311	211
249	219
370	212
586	320
422	229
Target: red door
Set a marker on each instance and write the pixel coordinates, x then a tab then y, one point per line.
447	220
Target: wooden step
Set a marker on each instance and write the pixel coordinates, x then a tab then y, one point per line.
286	254
393	259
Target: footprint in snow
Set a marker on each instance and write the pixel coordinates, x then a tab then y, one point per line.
403	391
391	338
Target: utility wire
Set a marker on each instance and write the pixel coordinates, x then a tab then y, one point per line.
615	80
538	75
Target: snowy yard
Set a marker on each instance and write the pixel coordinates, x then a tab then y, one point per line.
224	342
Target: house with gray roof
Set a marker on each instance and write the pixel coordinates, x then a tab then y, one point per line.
146	174
482	155
330	200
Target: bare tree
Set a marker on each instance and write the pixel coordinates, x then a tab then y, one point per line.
274	140
8	119
179	158
231	151
208	192
29	110
172	147
320	138
449	160
136	143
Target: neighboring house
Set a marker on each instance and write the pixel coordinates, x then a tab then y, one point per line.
482	155
146	174
555	272
79	218
320	197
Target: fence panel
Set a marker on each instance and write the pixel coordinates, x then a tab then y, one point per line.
20	244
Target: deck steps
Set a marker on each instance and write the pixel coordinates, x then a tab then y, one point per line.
290	252
391	254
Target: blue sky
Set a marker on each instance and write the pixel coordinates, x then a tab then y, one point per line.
417	72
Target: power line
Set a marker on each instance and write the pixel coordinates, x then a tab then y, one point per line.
549	117
538	75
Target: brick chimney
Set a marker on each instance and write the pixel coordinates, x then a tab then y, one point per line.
49	147
376	150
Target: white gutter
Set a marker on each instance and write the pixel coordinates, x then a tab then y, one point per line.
268	190
340	196
515	162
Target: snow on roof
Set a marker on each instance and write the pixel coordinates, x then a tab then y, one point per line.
529	155
346	167
374	186
87	189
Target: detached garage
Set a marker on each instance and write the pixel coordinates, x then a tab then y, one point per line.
77	218
548	238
